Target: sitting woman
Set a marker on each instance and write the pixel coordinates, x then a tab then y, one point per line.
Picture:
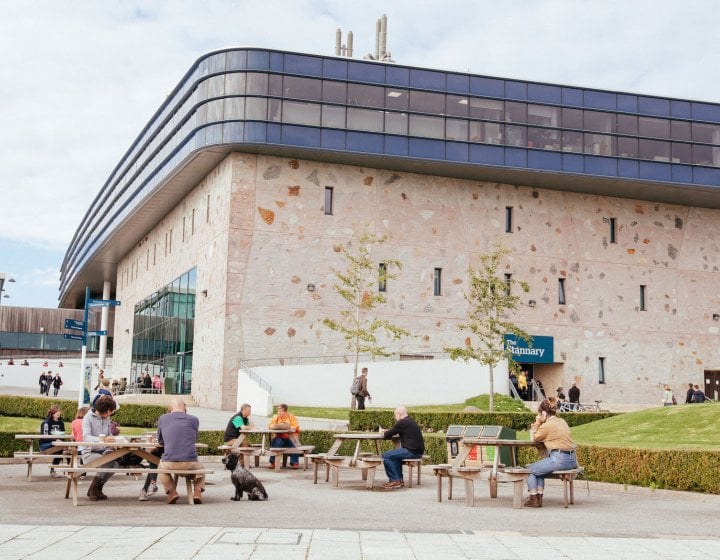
281	421
96	431
52	424
555	434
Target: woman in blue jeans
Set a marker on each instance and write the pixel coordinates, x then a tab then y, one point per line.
555	434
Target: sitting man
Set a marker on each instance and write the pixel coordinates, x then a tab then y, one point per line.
283	419
241	421
177	432
412	446
96	428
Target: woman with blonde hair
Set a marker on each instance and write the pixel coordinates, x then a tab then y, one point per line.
555	434
668	397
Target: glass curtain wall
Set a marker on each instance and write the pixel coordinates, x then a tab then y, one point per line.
163	334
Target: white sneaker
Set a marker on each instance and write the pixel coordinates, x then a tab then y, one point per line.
143	496
152	490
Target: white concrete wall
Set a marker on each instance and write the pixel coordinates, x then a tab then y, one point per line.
408	383
251	392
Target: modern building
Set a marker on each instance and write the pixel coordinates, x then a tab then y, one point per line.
219	228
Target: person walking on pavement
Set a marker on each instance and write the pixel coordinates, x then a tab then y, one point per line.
362	393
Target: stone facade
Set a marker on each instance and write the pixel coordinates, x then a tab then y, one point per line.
260	235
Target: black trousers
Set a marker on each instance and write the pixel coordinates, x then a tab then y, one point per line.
360	402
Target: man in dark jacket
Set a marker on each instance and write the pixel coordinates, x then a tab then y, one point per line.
237	423
689	395
698	395
412	446
574	394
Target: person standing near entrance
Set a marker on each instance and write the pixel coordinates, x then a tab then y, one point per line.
689	395
362	391
522	385
574	394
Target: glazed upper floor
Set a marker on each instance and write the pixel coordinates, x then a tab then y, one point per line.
445	123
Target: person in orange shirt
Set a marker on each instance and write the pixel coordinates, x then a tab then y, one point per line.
283	419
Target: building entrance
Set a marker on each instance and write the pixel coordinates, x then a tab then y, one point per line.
712	384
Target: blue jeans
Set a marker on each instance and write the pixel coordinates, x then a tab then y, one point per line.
284	442
48	445
392	461
556	461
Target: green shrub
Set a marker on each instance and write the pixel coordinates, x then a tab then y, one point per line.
142	416
370	420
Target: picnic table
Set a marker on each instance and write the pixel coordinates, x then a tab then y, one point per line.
366	463
139	446
246	451
31	456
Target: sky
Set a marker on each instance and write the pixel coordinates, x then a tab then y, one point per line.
79	79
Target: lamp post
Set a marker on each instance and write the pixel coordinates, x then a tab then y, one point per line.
4	279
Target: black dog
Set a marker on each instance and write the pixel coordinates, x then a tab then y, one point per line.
244	481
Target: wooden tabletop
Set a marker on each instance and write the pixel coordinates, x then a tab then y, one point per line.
502	442
364	435
43	436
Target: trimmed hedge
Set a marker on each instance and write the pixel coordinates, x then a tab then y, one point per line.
142	416
371	420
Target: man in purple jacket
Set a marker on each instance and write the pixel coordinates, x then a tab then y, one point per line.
177	432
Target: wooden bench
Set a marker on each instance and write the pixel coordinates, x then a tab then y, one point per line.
566	476
414	464
74	473
281	453
31	457
317	460
365	463
189	478
471	474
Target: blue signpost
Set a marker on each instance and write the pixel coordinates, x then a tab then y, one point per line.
74	325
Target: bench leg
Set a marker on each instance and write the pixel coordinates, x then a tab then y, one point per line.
469	492
335	475
450	483
370	475
410	474
189	485
439	486
572	491
418	475
316	466
493	483
518	493
327	472
565	491
74	480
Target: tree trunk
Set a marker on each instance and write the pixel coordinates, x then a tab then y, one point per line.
491	399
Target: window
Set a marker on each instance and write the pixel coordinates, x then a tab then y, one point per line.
437	282
508	219
192	223
508	283
601	371
207	210
561	291
642	297
328	201
613	226
382	277
183	230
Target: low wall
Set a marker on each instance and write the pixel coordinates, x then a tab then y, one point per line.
411	383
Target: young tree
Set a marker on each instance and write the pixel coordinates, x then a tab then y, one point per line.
358	285
490	301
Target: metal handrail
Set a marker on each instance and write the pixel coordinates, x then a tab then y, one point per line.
255	377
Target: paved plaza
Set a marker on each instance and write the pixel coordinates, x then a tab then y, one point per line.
303	520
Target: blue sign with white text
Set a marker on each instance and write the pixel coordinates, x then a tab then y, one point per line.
539	351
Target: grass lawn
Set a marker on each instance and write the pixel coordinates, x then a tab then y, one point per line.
691	426
502	404
32	426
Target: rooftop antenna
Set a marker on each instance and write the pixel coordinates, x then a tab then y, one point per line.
343	50
381	53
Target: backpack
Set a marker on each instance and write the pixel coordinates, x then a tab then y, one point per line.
356	384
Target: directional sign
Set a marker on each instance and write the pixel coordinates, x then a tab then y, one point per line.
74	325
97	333
103	303
74	336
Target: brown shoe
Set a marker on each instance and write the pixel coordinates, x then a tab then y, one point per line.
172	497
540	497
197	496
532	501
393	484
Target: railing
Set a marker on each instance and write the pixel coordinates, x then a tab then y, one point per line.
256	378
313	360
536	391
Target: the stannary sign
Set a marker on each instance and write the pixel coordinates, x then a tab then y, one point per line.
539	351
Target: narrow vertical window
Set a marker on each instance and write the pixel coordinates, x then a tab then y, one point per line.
192	223
508	283
508	219
166	244
561	291
601	370
154	253
437	281
382	277
328	201
147	260
642	297
170	242
207	210
183	233
613	230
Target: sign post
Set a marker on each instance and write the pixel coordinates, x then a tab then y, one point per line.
74	325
